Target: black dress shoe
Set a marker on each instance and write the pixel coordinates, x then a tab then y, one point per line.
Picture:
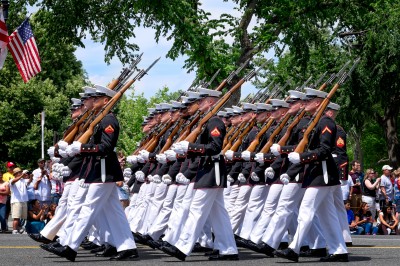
318	253
211	253
50	246
224	257
288	254
349	244
198	248
241	242
139	238
65	252
99	249
109	251
128	254
266	249
174	252
283	245
335	257
90	246
253	246
39	238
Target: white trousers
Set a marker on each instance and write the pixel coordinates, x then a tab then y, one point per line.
319	200
161	222
53	226
102	202
269	209
179	214
207	203
240	206
155	205
254	208
230	200
141	208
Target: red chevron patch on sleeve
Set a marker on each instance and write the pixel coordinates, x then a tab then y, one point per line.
215	132
326	129
109	129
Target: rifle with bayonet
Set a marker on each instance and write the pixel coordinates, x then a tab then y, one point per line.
111	103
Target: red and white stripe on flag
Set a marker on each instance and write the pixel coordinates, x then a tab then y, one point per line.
3	39
22	46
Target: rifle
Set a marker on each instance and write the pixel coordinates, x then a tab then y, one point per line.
315	118
193	135
111	103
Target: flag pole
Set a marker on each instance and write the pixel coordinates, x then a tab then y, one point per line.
42	116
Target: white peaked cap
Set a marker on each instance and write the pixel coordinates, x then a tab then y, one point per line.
104	91
296	95
193	95
279	103
167	106
249	106
89	91
315	93
229	111
207	92
333	106
264	106
237	109
81	94
221	113
76	101
151	110
176	105
185	100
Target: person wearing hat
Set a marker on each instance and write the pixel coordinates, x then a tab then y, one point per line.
7	176
41	183
207	201
321	179
386	186
19	199
100	170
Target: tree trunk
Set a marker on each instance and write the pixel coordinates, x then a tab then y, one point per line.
389	123
357	151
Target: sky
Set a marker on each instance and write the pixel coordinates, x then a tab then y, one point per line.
165	73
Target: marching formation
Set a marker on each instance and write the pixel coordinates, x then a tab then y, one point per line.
264	175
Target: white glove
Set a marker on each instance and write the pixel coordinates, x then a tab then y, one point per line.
180	178
55	159
125	188
230	179
66	171
82	183
140	159
171	155
181	147
139	175
127	172
74	148
269	173
156	179
56	176
294	157
276	149
54	167
62	145
63	153
144	154
50	151
259	157
167	179
150	178
241	178
161	158
59	168
229	155
246	155
284	179
132	159
254	177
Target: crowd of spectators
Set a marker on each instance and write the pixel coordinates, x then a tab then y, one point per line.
31	197
372	202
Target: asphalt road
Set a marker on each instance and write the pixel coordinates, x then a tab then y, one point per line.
367	250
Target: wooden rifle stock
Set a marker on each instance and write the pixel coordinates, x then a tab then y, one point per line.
243	134
277	130
69	138
229	139
289	130
168	142
151	147
253	145
186	131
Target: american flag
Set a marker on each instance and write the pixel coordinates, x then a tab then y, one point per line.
22	46
3	39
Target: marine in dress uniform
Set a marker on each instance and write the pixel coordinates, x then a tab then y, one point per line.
320	178
100	170
208	199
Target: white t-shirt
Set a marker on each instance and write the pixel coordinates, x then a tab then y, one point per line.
385	182
43	193
18	191
345	186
